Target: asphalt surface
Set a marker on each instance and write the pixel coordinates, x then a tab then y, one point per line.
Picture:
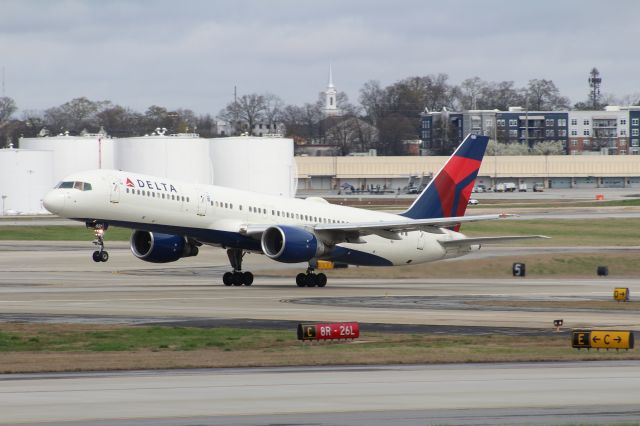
552	393
59	279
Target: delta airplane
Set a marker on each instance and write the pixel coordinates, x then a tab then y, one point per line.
171	219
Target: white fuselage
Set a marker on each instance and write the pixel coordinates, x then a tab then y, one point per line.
217	216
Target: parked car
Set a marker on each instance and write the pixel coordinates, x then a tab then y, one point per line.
472	202
412	190
522	187
509	187
479	188
538	187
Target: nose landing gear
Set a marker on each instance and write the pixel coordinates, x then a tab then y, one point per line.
100	255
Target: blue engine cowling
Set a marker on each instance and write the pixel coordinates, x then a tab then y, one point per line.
290	244
161	248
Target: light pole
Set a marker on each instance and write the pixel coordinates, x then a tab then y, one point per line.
4	197
546	168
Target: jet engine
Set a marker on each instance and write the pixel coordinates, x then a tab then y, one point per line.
289	244
161	248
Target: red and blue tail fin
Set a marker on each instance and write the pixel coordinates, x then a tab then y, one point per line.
449	191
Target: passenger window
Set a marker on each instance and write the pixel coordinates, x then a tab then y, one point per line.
231	206
153	194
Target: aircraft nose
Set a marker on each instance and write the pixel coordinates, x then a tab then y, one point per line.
54	201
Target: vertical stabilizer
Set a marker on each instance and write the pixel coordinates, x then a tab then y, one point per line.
449	191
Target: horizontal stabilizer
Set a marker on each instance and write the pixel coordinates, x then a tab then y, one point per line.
489	240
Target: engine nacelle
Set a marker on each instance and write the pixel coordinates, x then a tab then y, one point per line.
161	248
289	244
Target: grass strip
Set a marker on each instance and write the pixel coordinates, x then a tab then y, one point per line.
71	347
59	233
564	232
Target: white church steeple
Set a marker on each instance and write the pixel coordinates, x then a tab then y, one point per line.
330	107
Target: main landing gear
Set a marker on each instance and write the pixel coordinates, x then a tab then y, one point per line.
237	277
100	255
311	279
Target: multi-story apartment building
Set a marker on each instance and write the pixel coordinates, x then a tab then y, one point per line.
614	131
530	127
601	132
634	130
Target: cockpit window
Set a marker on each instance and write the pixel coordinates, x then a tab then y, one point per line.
82	186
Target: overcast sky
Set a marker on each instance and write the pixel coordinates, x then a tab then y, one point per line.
190	54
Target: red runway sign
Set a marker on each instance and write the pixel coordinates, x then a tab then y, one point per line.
340	330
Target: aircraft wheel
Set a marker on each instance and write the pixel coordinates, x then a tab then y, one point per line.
321	279
226	278
300	282
247	278
104	256
96	256
236	278
310	280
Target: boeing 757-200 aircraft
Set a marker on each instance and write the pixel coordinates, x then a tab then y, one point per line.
172	219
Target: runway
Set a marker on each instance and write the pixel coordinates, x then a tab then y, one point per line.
553	393
61	279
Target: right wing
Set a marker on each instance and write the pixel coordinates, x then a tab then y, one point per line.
336	233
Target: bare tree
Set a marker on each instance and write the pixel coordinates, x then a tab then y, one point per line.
246	112
394	130
543	95
120	121
302	123
373	100
471	90
7	108
75	116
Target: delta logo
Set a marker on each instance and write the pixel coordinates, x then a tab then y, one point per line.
148	184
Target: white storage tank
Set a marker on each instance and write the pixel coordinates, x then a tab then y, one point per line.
25	177
72	154
260	164
183	156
